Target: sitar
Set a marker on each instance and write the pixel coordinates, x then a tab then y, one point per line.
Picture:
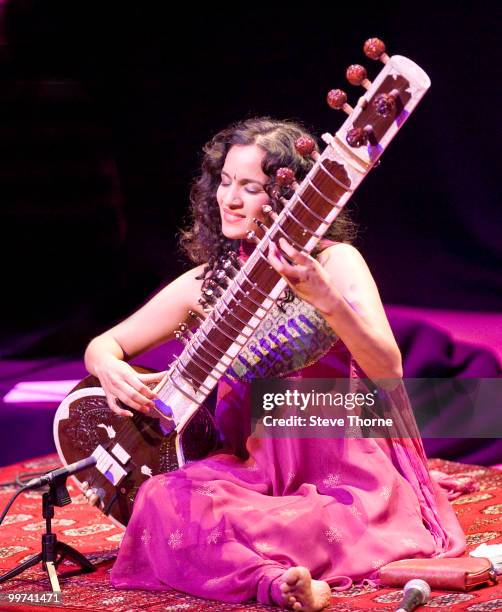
129	450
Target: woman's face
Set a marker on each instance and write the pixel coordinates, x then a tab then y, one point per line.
241	192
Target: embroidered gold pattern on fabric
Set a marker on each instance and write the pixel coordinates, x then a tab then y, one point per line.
286	340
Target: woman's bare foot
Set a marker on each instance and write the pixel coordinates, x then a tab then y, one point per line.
300	592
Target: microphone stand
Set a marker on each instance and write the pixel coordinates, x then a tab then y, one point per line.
57	495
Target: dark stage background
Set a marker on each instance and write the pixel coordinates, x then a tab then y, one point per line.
104	110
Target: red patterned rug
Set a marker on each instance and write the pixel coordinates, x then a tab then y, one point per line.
91	533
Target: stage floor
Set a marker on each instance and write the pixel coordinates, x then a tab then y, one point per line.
94	535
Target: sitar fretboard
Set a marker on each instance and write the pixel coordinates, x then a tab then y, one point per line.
307	216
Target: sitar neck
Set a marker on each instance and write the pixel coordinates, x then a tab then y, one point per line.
350	154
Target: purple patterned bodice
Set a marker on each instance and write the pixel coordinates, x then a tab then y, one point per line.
286	340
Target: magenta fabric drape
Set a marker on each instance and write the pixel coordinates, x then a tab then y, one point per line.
226	527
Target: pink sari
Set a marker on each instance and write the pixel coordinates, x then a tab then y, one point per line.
228	526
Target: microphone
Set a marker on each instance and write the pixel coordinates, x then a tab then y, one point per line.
62	472
416	593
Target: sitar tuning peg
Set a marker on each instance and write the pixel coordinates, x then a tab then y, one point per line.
233	257
337	99
357	137
221	278
276	194
184	329
385	103
268	210
306	147
211	293
357	75
285	177
252	237
205	305
260	224
183	333
180	336
230	267
214	287
195	316
374	48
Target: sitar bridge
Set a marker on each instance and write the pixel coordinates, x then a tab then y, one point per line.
111	464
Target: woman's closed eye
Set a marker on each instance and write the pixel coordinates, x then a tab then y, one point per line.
253	189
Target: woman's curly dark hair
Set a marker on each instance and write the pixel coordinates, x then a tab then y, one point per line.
203	240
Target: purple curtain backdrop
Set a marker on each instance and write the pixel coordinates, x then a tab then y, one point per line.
103	115
26	427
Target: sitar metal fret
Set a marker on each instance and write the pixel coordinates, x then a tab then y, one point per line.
219	349
300	224
219	323
181	390
190	377
290	239
255	286
246	295
300	201
196	358
263	256
206	349
323	196
238	302
229	312
333	178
